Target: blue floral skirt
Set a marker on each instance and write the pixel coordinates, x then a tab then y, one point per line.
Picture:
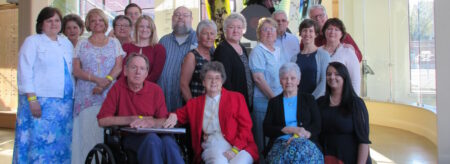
299	150
46	139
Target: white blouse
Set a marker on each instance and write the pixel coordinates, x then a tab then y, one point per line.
41	65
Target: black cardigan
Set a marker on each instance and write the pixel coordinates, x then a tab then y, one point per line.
234	69
308	117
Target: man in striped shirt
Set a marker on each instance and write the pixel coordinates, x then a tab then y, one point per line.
177	44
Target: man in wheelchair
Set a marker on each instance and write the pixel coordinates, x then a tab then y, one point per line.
135	102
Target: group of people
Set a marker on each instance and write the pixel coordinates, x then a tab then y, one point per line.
285	101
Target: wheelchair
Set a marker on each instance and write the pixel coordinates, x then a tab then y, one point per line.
113	152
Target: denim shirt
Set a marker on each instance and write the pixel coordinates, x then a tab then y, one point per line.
262	60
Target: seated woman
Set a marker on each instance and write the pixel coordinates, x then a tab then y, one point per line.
220	122
345	120
292	118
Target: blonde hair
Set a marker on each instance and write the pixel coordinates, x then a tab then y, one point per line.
153	35
100	13
261	23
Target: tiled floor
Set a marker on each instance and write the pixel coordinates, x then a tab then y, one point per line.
389	146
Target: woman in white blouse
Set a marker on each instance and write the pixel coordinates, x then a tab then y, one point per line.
45	84
334	32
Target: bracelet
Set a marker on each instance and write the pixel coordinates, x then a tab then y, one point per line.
110	78
295	136
89	77
32	98
235	150
140	117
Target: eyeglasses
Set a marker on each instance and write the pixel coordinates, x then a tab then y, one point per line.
268	29
179	15
319	16
122	25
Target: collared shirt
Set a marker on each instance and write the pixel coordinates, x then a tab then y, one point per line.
264	61
170	76
289	46
122	101
290	113
211	123
41	65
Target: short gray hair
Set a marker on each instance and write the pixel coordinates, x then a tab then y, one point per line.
213	66
205	23
135	55
279	12
290	66
317	6
234	16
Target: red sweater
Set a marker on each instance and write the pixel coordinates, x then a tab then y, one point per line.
121	101
156	57
234	119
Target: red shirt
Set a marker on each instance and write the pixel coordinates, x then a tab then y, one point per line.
234	119
121	101
156	57
321	40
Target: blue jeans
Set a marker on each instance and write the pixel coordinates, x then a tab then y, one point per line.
153	148
258	115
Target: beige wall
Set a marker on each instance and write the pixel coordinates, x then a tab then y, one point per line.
413	119
442	26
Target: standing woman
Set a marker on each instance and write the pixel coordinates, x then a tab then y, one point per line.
264	64
122	29
97	62
146	42
73	27
312	61
44	115
190	83
334	32
231	53
345	121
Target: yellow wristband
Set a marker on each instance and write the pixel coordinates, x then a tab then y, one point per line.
32	98
236	151
295	136
140	117
110	78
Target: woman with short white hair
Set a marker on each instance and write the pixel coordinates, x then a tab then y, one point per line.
292	122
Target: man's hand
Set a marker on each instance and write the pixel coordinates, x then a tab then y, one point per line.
171	121
147	122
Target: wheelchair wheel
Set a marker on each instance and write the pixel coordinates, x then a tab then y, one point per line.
101	154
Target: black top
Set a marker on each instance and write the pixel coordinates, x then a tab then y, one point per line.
196	85
308	67
234	69
308	117
343	132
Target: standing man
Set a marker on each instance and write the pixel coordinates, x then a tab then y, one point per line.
319	14
287	42
177	44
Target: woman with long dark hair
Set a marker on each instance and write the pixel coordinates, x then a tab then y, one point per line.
345	120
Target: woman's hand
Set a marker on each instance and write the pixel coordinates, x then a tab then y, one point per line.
102	82
35	108
171	121
147	122
229	154
97	90
300	131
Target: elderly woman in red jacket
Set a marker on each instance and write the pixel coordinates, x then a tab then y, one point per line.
219	120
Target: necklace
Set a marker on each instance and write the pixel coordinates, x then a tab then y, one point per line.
331	50
332	103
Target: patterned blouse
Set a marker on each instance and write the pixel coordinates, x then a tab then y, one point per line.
98	61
